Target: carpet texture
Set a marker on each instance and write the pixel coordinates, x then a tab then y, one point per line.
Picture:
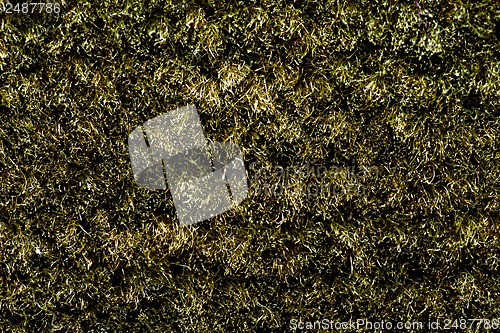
370	134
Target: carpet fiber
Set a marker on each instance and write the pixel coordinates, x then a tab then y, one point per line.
370	134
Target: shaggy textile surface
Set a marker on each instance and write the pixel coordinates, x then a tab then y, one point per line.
370	134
